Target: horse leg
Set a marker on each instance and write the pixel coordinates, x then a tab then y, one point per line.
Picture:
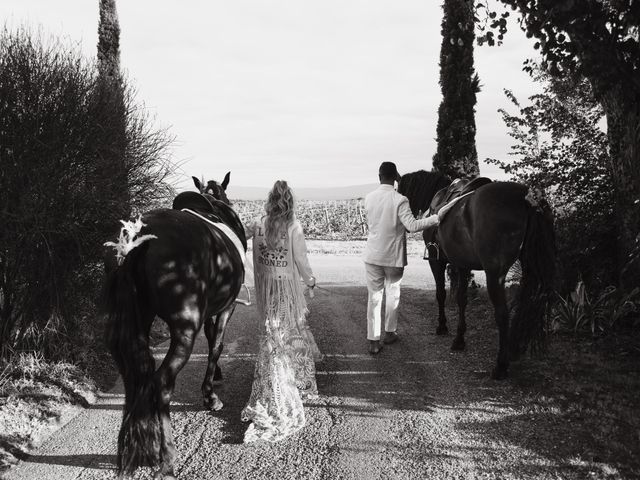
461	297
214	332
182	339
495	288
438	268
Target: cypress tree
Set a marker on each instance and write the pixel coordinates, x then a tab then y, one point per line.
456	155
109	42
111	97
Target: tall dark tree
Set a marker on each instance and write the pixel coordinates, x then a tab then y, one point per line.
110	93
456	155
109	42
600	40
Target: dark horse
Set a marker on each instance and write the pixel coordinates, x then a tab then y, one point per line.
490	229
188	272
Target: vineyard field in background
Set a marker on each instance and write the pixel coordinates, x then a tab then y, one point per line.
320	219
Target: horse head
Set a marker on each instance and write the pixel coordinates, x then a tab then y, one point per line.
212	199
213	188
420	188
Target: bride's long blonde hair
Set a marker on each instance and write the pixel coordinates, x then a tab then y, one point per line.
280	212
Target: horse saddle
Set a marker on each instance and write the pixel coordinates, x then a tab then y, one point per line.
200	206
458	188
193	201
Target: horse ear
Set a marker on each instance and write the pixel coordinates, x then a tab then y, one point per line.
225	182
197	184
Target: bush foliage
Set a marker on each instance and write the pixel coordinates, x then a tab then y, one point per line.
562	150
599	41
60	188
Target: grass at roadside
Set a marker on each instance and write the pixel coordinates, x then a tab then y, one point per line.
577	403
35	395
593	387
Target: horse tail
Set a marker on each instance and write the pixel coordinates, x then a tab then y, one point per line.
128	341
538	263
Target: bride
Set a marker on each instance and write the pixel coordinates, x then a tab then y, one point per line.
285	370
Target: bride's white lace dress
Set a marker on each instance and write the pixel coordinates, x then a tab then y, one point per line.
285	369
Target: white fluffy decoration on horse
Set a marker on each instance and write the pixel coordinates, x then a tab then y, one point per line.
127	240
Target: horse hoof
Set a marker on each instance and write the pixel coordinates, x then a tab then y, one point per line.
217	405
213	404
458	345
499	373
442	330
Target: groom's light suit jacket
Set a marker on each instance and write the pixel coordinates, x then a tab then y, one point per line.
389	217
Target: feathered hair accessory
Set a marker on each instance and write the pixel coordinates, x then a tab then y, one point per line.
127	240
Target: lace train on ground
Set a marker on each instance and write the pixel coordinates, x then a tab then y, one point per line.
285	368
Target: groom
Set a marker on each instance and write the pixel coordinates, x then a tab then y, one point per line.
388	216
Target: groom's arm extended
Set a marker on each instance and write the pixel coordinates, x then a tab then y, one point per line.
410	222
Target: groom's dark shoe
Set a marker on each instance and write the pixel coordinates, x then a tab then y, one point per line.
374	347
391	337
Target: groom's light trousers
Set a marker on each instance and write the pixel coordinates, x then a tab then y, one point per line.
379	279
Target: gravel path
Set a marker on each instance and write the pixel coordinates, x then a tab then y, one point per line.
415	411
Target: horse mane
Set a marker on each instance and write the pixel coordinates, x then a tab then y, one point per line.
420	187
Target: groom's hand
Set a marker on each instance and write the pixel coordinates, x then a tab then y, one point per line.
443	211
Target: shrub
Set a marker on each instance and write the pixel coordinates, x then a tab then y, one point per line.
611	310
562	150
59	190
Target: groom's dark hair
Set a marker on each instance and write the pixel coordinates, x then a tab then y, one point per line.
388	171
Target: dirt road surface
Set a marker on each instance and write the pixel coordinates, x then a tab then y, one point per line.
415	411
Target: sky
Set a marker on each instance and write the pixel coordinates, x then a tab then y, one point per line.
315	92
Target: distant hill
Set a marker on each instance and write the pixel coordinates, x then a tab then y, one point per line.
330	193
